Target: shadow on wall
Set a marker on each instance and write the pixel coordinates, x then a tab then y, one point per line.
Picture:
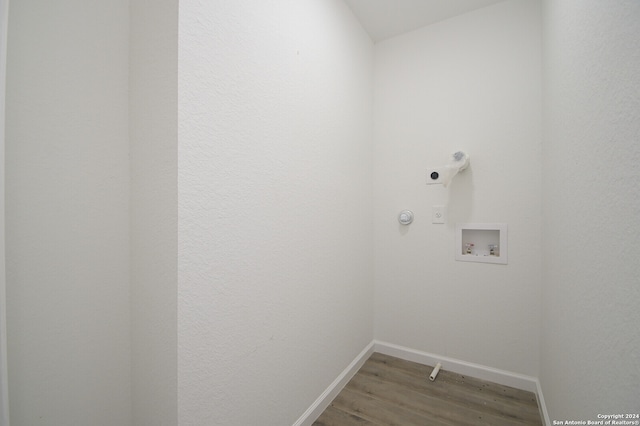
460	202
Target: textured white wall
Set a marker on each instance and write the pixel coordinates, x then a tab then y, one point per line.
473	83
590	361
275	230
4	387
154	209
67	217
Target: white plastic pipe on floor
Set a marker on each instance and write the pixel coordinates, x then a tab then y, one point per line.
435	371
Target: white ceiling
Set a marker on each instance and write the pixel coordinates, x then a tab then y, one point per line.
387	18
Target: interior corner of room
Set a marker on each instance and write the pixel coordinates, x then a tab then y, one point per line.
214	212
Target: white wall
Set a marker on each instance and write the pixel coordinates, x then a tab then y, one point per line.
153	121
590	360
472	83
275	226
4	395
67	217
275	231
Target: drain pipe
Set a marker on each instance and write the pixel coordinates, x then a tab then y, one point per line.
435	371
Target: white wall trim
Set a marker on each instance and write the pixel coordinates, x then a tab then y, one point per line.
334	388
478	371
544	414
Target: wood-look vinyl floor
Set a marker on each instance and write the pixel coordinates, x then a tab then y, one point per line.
391	391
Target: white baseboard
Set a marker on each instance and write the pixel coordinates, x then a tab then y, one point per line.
503	377
478	371
541	404
334	388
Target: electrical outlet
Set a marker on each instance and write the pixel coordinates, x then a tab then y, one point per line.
439	214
